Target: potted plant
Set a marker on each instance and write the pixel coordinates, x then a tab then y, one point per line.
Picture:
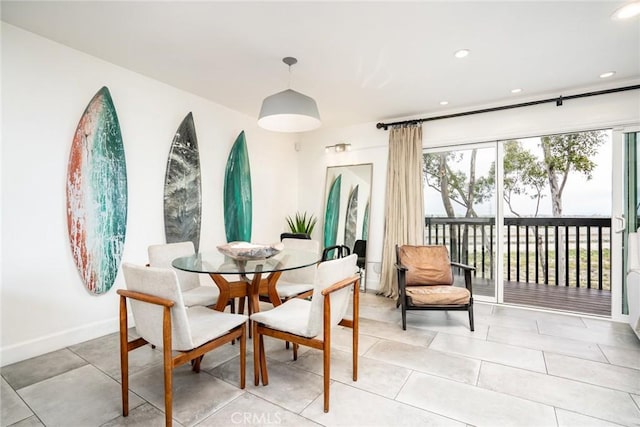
302	223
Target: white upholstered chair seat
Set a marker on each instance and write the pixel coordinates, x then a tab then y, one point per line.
201	295
292	317
287	290
193	292
293	283
207	324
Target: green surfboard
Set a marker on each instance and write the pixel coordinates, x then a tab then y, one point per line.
237	193
332	212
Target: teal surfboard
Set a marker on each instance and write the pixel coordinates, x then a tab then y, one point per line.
332	213
365	223
237	193
97	194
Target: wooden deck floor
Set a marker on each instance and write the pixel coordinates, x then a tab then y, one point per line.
578	300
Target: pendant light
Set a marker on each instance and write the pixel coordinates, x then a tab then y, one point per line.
289	111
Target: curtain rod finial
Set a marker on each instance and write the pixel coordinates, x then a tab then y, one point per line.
381	126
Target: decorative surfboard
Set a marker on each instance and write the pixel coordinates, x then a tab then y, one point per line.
351	219
331	215
237	193
97	194
365	223
182	187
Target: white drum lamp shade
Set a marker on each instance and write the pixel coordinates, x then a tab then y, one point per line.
289	111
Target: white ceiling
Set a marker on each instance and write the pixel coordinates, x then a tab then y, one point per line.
361	61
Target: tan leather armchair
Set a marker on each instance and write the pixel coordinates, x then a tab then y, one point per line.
425	281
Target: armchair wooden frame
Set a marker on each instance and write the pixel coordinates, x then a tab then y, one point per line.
405	302
194	356
324	344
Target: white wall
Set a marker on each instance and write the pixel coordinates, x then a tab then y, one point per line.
45	88
369	145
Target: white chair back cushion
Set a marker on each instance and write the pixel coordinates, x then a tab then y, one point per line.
162	255
306	274
330	272
163	283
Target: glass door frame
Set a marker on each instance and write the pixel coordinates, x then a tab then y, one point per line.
498	295
618	275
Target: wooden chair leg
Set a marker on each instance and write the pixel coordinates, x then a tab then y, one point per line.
124	357
243	355
256	355
195	364
355	330
295	351
168	387
326	358
263	362
471	326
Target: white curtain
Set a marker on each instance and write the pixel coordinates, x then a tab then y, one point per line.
404	204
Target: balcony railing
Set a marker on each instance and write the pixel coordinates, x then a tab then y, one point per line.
567	251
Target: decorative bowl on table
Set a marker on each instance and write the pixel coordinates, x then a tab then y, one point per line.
245	251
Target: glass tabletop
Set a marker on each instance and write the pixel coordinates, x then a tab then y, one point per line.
217	263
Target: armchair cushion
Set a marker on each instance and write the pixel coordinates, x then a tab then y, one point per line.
426	265
437	295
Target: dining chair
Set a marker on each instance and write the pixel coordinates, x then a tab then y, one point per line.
162	319
335	251
309	323
193	292
360	249
425	281
298	283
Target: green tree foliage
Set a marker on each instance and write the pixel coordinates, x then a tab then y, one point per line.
524	174
455	186
565	153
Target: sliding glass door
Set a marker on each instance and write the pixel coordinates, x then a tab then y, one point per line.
626	198
532	215
557	221
460	209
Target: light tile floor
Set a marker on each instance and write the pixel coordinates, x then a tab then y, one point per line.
520	367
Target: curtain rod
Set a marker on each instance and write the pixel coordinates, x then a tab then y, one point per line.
559	100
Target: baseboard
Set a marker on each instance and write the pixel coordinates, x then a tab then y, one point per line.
36	347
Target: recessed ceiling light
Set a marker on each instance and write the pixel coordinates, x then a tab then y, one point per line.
607	74
462	53
627	11
516	90
444	102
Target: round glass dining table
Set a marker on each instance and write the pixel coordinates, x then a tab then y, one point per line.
217	265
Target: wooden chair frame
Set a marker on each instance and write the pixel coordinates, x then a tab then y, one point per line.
324	344
194	356
403	299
